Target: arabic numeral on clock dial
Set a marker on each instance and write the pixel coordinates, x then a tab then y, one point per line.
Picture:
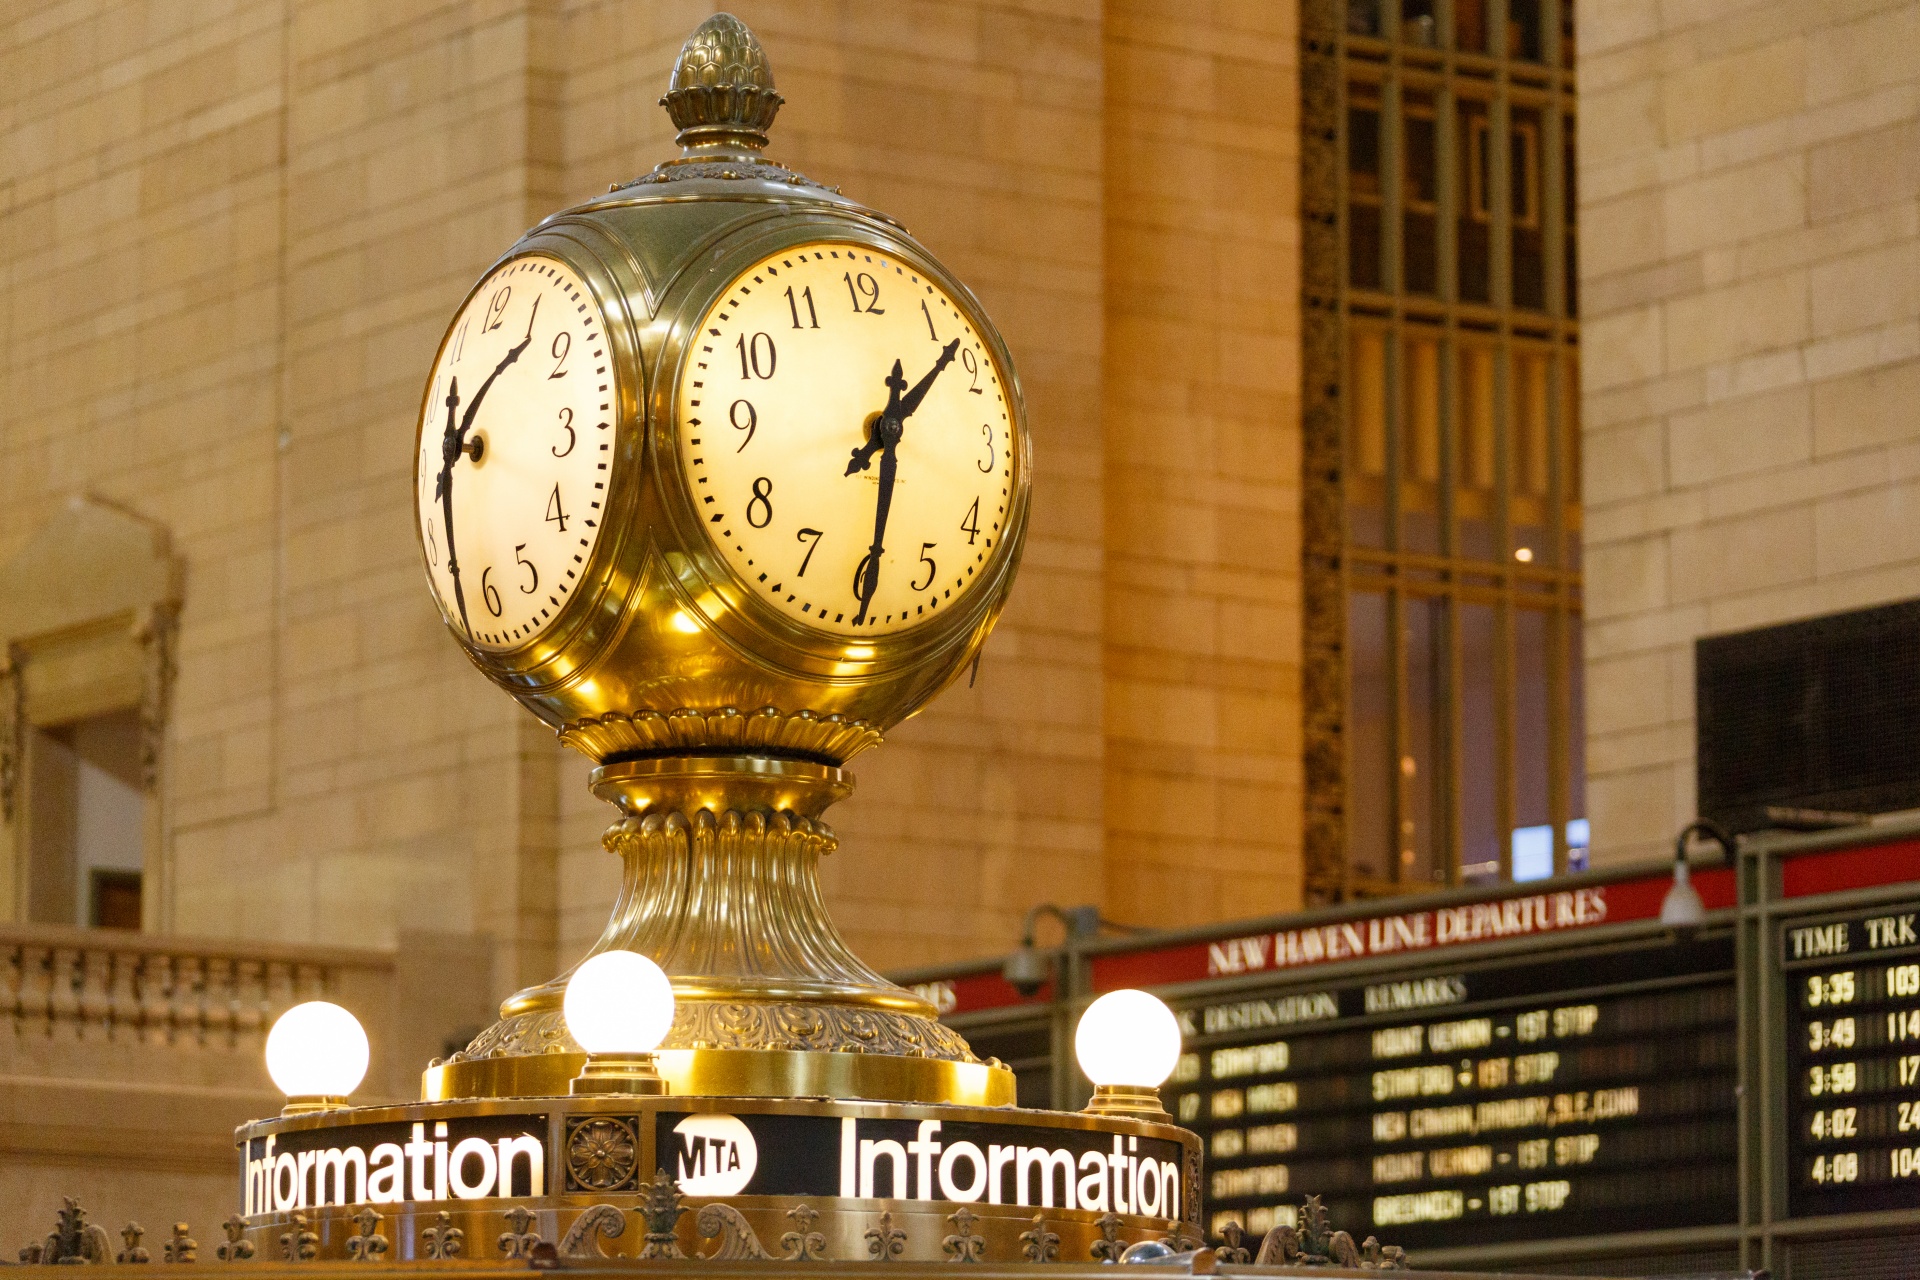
566	425
527	564
562	344
556	514
762	500
860	578
488	590
986	468
932	568
970	522
497	308
757	355
752	421
863	288
972	365
812	547
793	306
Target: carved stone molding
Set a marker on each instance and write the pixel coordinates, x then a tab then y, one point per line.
156	631
13	730
807	734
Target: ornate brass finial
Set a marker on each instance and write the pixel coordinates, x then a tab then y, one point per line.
661	1208
721	94
964	1245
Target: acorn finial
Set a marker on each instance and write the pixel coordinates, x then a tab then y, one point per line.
721	94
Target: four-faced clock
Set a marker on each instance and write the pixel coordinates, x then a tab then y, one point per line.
847	438
516	440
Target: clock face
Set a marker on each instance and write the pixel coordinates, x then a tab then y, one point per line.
847	435
515	448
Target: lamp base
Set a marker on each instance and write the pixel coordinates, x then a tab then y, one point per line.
308	1104
1134	1101
607	1073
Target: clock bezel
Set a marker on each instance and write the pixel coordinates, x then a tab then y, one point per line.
725	600
589	617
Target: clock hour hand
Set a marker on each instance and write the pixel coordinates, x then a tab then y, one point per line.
889	416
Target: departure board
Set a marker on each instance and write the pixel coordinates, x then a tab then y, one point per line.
1853	1060
1587	1092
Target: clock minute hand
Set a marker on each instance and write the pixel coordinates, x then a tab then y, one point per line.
450	451
870	578
914	397
466	420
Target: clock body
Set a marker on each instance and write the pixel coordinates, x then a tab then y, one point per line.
737	344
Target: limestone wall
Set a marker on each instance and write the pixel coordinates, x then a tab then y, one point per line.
1750	264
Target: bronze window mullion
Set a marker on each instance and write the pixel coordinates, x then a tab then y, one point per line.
1396	657
1553	229
1392	185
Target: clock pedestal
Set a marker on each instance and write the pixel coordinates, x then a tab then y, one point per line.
720	857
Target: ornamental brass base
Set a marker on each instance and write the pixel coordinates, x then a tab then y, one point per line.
741	1073
715	1178
720	887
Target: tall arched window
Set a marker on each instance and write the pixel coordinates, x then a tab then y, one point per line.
88	606
1441	452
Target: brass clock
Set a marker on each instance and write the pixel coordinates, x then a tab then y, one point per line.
513	466
829	345
722	475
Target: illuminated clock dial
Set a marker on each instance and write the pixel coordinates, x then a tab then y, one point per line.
847	435
516	442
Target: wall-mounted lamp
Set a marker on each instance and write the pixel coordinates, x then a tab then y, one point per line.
1682	908
1028	968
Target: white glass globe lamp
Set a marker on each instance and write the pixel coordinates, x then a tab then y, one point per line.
1128	1043
619	1007
317	1054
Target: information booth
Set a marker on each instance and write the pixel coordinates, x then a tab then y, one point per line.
1544	1076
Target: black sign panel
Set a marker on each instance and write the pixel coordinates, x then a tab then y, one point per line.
1582	1095
463	1158
1853	1060
798	1155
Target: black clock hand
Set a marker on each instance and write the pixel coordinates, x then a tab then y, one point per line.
455	443
920	388
450	451
886	429
900	408
895	385
513	354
